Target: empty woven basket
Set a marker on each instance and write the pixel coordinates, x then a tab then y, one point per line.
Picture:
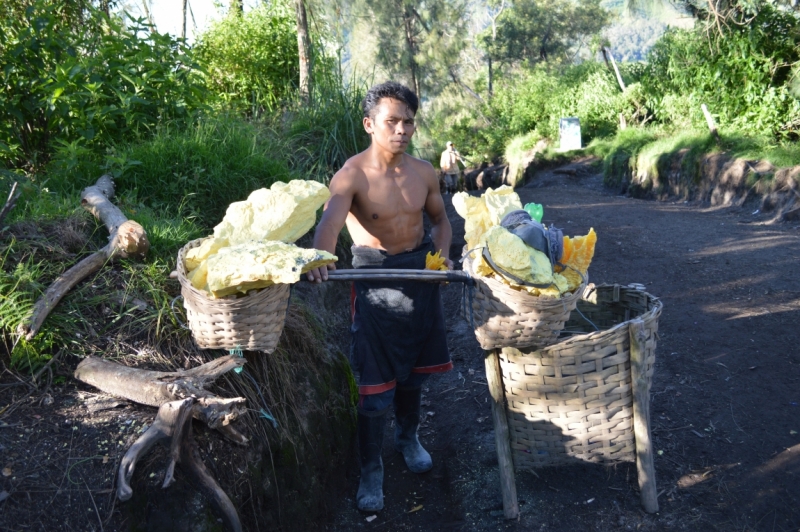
505	317
253	321
573	400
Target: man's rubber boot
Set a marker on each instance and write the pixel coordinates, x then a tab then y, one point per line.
370	443
406	412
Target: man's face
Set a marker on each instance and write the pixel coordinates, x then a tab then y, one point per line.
391	125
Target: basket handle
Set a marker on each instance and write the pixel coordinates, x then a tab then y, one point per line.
175	315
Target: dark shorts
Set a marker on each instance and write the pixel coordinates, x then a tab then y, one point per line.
398	326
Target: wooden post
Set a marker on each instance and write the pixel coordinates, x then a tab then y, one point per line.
641	418
712	126
508	486
616	70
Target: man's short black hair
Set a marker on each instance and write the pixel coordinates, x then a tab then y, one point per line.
389	89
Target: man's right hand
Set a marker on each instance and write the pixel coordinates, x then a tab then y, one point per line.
320	274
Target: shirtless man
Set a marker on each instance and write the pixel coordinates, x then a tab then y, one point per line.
398	326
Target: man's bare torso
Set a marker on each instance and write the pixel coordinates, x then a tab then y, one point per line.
386	212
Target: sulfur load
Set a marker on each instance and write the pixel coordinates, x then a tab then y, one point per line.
252	246
482	216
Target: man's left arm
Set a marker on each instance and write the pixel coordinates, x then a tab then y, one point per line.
441	232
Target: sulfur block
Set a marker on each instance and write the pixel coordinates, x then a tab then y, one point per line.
196	255
256	264
284	212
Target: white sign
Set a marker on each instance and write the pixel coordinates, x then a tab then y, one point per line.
569	130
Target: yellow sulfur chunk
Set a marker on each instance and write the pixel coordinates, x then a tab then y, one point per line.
578	254
197	255
199	276
435	261
484	212
500	202
284	212
511	254
476	217
256	264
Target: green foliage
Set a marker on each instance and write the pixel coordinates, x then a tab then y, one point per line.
88	84
417	43
204	167
251	60
325	131
533	30
741	74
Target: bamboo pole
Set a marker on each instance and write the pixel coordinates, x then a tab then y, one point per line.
616	70
508	487
641	418
712	125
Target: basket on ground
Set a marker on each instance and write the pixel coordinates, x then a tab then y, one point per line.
505	317
253	321
573	400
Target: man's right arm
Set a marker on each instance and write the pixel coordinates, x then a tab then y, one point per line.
334	215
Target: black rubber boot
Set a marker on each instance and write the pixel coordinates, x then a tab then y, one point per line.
406	412
370	443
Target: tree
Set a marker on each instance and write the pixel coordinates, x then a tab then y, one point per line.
303	48
431	37
533	31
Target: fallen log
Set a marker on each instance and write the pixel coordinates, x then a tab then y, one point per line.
174	423
154	388
126	239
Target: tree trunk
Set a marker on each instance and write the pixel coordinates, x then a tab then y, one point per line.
490	77
408	24
303	49
183	29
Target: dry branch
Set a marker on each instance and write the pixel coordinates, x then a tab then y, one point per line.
154	388
174	423
180	396
126	239
13	196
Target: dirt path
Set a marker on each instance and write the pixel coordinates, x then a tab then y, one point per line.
725	404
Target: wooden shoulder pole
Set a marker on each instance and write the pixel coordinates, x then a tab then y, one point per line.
641	418
508	486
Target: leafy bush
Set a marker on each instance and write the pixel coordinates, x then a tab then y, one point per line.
204	167
88	84
325	131
251	59
742	75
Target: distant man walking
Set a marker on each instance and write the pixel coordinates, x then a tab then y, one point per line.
449	165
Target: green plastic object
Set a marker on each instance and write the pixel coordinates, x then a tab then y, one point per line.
535	210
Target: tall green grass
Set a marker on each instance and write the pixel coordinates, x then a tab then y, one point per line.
322	133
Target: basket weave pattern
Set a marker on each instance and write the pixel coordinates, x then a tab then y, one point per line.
573	400
253	322
505	317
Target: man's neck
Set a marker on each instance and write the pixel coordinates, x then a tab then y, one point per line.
384	159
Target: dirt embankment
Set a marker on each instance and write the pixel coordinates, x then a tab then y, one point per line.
716	179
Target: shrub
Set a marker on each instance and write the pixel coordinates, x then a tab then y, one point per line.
742	75
251	59
90	84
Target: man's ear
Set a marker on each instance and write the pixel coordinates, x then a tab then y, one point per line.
367	121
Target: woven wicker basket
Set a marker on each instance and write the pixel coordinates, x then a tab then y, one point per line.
252	322
573	400
505	317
